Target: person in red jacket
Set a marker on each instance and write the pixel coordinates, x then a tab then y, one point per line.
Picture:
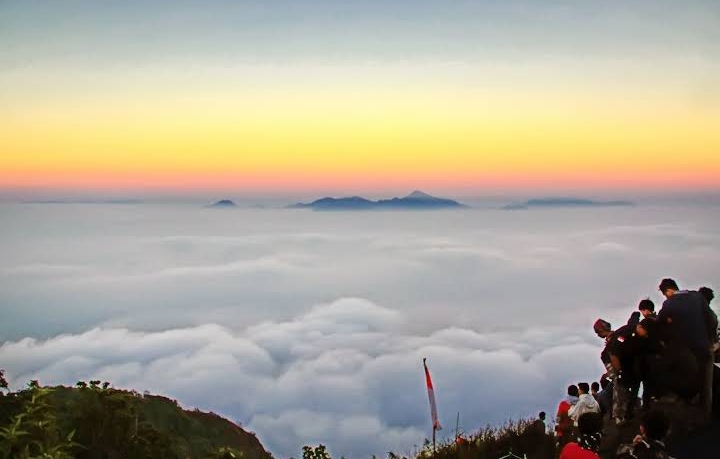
563	423
590	433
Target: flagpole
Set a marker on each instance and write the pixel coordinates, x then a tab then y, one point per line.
434	440
457	427
431	398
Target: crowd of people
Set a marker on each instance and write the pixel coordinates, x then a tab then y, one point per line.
670	354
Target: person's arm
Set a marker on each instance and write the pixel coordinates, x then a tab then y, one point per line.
559	415
571	411
711	322
663	316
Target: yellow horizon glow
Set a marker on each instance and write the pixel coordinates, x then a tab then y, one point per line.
356	134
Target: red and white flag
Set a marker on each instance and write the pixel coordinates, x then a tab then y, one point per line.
431	397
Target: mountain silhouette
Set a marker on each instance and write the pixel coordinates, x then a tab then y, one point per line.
223	203
417	200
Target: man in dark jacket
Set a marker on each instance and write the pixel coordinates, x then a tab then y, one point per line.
690	321
619	358
604	397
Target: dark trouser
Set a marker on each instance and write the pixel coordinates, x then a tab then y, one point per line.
705	363
624	399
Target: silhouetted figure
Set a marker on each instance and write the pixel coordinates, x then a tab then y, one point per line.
707	293
604	397
647	308
619	359
691	322
539	423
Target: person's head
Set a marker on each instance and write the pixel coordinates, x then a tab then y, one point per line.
654	425
604	382
541	416
590	423
668	287
646	327
594	387
583	388
707	293
646	307
602	328
573	390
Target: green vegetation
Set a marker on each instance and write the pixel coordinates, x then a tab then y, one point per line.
519	438
94	421
522	438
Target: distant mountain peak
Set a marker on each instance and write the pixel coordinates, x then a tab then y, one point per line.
224	203
417	194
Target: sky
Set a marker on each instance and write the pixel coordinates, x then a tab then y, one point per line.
337	96
310	327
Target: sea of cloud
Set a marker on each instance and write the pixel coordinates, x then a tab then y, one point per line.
311	327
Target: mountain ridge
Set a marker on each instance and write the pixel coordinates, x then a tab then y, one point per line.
416	200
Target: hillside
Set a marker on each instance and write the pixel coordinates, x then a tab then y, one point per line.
110	423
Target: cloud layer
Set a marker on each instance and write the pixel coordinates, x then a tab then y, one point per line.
344	373
310	327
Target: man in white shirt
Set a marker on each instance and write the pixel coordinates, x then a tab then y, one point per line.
586	403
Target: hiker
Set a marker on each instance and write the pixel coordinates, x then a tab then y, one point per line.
539	423
563	423
647	309
586	403
619	349
709	295
649	444
594	389
590	429
649	348
604	397
691	322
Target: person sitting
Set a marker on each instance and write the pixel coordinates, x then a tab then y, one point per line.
586	403
654	427
563	423
590	429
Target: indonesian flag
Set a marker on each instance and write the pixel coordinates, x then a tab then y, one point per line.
431	397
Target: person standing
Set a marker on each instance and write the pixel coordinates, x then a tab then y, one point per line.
619	349
563	423
690	321
586	403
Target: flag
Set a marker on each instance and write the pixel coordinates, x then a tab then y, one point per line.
431	397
